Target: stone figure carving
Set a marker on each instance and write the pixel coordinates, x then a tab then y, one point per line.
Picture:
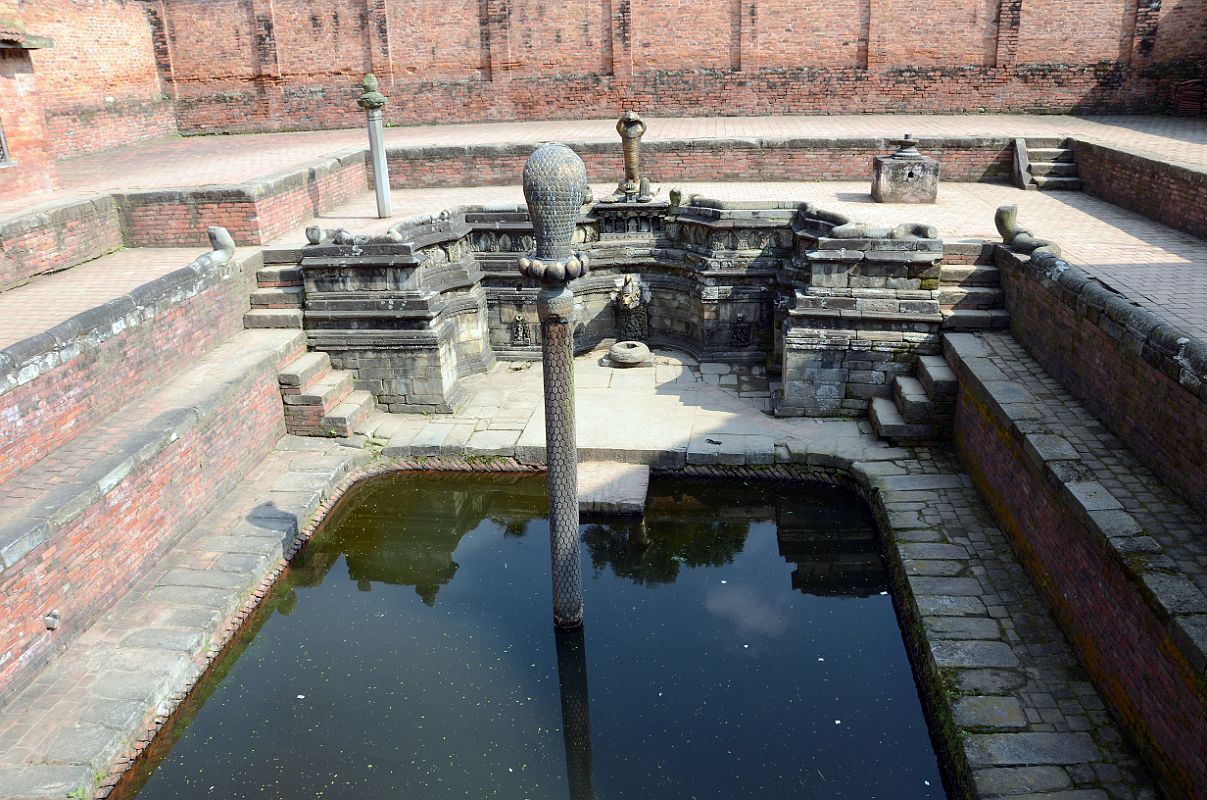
223	245
632	320
1006	220
342	236
521	336
555	186
632	187
905	231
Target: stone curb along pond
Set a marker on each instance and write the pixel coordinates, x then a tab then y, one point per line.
1011	708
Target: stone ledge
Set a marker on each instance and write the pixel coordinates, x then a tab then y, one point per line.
169	415
1162	345
31	358
1156	577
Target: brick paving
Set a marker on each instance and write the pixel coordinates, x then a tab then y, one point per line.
50	299
1178	528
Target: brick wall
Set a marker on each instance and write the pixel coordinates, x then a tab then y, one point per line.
253	213
99	84
31	167
1169	193
296	65
717	160
1122	641
1126	368
51	410
56	239
88	564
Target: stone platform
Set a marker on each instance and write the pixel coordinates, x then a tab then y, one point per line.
611	487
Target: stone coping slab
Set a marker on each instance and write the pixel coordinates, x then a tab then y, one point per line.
49	495
30	358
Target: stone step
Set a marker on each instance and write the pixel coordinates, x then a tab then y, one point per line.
611	487
1045	143
1057	184
889	424
1058	169
1047	155
913	404
303	371
969	275
968	319
279	275
273	318
971	297
344	418
327	392
277	297
937	378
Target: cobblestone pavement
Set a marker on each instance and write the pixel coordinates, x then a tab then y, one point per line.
203	160
1178	528
50	299
1154	265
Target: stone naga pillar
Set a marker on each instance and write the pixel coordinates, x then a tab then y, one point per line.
372	101
632	187
555	187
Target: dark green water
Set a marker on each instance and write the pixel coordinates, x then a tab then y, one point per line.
739	645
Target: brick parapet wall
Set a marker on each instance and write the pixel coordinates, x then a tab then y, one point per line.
1132	617
55	385
1168	192
56	237
1143	378
961	159
196	457
254	213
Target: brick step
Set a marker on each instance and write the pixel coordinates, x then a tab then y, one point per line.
971	297
937	378
278	275
967	319
969	275
889	424
326	392
1057	184
301	373
1050	154
345	417
273	318
277	297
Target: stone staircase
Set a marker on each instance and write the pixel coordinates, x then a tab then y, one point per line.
971	298
276	302
1052	164
922	409
320	400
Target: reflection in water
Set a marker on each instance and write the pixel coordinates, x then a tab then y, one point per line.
576	711
743	646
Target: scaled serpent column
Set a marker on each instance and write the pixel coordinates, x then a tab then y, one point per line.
555	187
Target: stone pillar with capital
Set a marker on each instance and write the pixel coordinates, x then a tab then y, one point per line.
372	102
555	187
